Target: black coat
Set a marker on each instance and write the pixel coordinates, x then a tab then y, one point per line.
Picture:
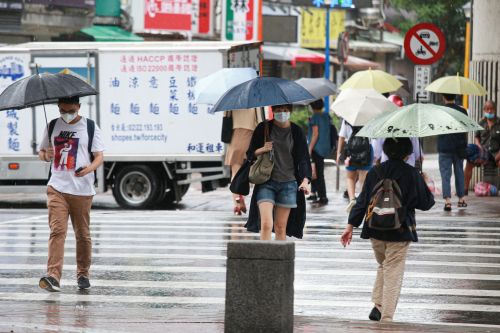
415	193
302	164
454	143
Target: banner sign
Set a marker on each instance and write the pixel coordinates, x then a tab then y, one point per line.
147	103
240	20
202	17
312	34
172	15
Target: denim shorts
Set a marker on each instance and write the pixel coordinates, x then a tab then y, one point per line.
281	194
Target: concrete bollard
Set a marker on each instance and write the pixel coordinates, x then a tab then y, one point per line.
259	286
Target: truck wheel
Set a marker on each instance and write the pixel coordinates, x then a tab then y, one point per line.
136	187
169	198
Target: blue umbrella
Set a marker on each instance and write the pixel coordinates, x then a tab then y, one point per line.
262	91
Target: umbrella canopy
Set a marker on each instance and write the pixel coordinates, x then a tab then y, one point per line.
375	79
358	106
209	89
262	91
43	88
419	120
318	87
457	85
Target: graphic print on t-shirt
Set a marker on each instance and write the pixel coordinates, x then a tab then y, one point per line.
66	149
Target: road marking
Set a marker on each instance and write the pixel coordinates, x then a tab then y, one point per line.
21	219
204	269
223	258
13	326
298	287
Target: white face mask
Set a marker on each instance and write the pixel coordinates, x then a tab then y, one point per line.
69	117
282	117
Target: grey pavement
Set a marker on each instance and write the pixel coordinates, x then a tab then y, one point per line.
164	271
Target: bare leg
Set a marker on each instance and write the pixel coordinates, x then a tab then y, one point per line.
468	175
266	220
281	219
362	177
351	184
236	197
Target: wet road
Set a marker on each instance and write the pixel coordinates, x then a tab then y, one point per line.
153	271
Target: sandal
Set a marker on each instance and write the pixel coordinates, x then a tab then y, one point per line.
447	207
243	207
462	204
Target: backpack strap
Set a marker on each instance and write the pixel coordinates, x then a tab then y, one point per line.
90	133
50	130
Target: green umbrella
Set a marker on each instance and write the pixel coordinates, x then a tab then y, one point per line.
418	120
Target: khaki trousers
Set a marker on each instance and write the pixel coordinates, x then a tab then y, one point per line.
391	258
61	207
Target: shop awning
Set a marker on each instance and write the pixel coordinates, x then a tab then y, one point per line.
104	33
293	54
356	63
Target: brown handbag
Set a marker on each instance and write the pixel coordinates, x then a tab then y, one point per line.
261	169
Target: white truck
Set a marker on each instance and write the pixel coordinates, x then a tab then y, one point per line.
158	140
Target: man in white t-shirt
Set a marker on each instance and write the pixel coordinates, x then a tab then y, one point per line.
70	188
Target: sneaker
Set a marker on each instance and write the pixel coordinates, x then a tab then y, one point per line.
350	205
375	314
83	282
312	197
49	283
320	203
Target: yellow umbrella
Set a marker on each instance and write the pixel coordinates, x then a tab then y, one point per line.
375	79
457	85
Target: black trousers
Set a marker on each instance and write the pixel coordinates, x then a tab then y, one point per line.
318	184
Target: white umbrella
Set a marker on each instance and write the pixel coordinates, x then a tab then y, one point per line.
210	89
318	87
358	106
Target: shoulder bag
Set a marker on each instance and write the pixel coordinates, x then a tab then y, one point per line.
261	169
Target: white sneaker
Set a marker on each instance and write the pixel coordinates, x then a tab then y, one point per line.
350	205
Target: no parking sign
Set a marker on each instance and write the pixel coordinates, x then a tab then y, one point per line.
424	44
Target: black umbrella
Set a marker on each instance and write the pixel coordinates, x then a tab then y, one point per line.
262	91
43	88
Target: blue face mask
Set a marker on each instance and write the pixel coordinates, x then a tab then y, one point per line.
489	115
282	117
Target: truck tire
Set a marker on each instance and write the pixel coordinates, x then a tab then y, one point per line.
169	198
136	187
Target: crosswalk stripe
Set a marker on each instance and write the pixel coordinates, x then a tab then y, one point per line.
359	303
70	245
223	258
210	269
297	287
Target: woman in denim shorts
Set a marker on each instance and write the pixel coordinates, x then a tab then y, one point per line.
291	172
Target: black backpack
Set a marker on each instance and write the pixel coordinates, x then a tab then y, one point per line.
385	205
90	133
358	149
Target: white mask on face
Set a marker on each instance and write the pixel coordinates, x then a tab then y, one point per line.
69	117
282	117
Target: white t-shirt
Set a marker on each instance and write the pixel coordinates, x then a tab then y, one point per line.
345	131
379	153
70	142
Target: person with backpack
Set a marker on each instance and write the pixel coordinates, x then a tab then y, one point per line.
358	154
386	207
320	146
75	151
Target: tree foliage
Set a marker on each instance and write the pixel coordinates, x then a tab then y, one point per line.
448	15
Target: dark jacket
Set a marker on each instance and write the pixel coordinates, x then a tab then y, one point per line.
302	164
489	137
415	193
455	143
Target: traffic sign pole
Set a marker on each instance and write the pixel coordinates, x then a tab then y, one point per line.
327	56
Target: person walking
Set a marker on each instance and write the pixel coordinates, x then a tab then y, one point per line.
390	246
318	137
70	190
279	203
358	158
451	154
244	123
486	147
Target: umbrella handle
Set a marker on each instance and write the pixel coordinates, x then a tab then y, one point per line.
43	104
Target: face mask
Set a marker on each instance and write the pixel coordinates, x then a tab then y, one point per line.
489	115
282	117
69	117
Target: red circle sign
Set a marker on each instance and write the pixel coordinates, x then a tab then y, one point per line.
424	44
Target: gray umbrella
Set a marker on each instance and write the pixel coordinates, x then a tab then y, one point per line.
41	89
318	87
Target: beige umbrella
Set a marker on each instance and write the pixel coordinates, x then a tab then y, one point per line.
457	85
372	79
